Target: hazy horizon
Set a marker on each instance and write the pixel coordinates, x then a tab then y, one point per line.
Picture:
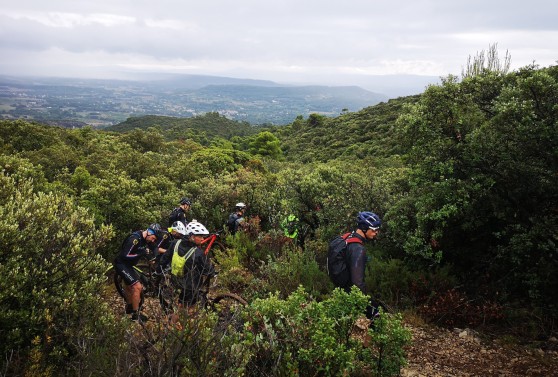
323	42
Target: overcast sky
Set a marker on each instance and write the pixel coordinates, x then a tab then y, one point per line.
281	40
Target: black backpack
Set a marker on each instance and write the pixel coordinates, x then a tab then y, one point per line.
337	268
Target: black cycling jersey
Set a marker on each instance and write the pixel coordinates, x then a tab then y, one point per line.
178	214
162	242
355	258
133	249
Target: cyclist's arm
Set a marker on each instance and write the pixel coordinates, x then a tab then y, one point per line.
357	265
166	258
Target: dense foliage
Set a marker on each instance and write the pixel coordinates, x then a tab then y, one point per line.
199	128
463	175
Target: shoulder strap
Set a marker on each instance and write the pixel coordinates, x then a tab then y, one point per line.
190	252
175	250
349	238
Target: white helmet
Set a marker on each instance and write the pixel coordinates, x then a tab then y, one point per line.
195	227
178	226
240	205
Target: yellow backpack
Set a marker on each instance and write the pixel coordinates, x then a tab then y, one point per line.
178	262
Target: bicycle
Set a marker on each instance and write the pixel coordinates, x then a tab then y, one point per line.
151	280
154	284
211	240
227	305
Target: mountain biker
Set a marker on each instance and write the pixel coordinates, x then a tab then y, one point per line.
290	226
179	213
367	229
236	218
161	243
134	247
189	264
177	231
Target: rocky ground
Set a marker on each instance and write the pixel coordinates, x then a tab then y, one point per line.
462	352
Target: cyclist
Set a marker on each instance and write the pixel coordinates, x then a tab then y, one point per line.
134	247
236	218
177	231
290	225
189	264
367	229
161	243
179	213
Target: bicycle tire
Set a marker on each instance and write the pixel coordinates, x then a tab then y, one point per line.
118	284
228	307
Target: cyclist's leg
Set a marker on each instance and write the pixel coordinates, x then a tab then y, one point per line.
133	287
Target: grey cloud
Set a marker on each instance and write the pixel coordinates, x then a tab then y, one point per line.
288	33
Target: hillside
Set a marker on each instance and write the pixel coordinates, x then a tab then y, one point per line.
210	125
463	178
371	132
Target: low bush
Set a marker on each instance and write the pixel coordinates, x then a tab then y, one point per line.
52	313
300	336
294	268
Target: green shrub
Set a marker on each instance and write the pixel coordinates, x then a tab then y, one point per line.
232	274
299	336
51	309
294	268
390	280
388	339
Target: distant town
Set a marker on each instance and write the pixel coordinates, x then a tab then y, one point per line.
101	103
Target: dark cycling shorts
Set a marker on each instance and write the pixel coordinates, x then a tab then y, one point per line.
187	297
128	273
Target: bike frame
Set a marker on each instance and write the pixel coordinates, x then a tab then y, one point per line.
210	240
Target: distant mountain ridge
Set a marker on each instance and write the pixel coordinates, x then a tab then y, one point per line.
185	81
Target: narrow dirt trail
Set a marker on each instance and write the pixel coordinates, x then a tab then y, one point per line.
461	352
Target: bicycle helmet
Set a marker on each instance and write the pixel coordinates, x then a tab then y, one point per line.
196	228
179	227
240	206
154	229
368	220
185	201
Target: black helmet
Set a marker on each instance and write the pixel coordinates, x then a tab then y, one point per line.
185	201
155	229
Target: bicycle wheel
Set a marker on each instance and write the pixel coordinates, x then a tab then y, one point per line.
119	284
217	248
228	307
